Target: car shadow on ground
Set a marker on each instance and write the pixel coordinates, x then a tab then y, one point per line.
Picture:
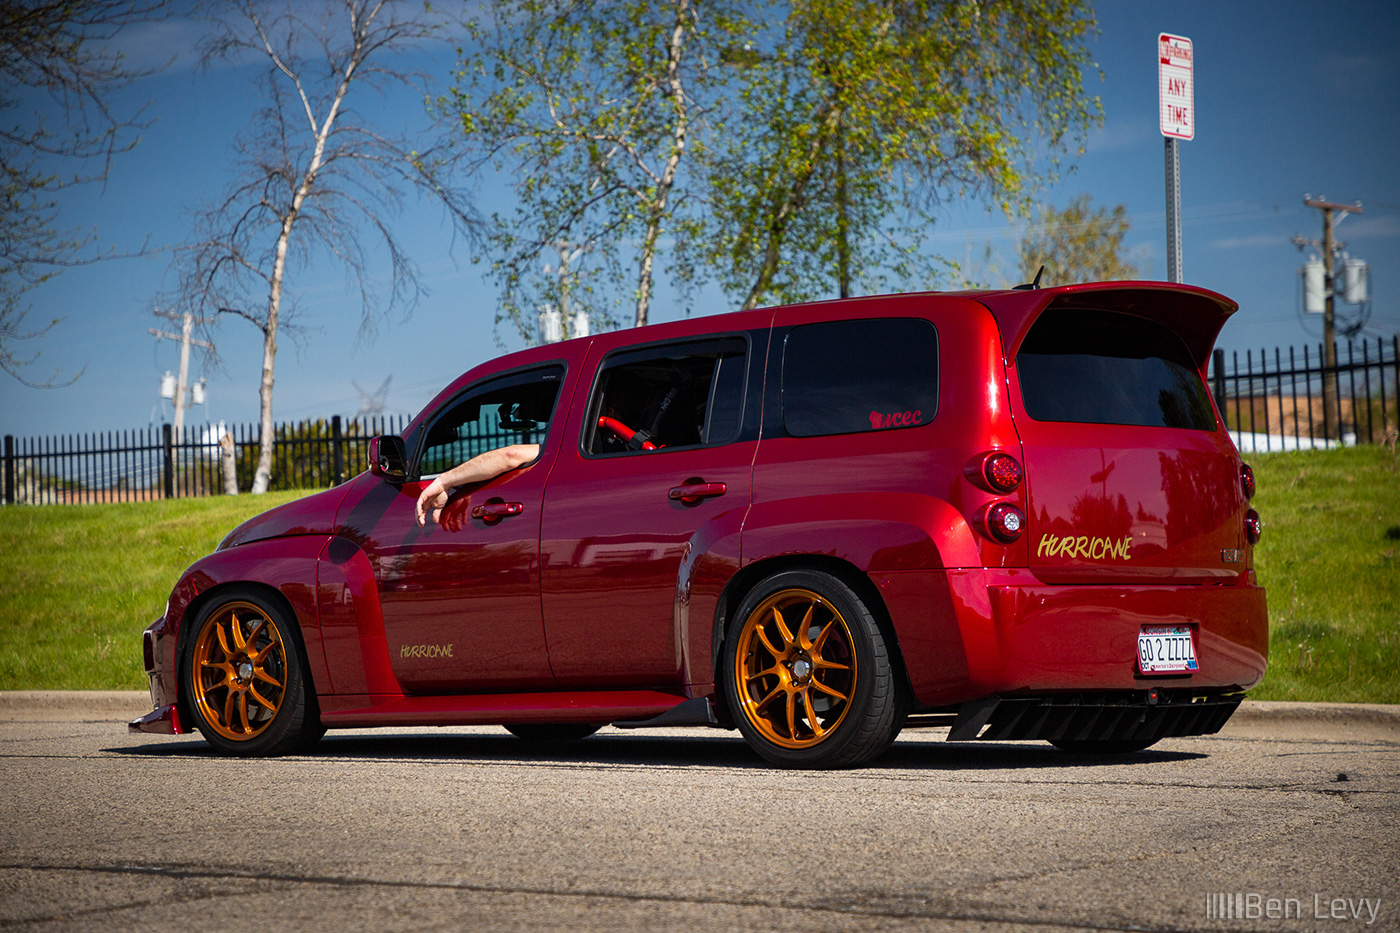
703	749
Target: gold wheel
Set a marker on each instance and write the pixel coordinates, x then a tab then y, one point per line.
795	668
239	671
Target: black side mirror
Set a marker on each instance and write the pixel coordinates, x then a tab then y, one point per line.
387	458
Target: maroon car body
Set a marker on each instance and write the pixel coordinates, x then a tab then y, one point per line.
1011	490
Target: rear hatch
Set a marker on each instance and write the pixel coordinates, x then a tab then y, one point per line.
1130	476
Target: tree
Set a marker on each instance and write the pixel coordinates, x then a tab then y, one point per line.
57	71
1078	244
867	113
595	106
313	176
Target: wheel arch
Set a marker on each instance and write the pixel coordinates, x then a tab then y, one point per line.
272	594
755	573
281	570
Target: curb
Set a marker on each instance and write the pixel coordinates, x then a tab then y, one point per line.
1265	712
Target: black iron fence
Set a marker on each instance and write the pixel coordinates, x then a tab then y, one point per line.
159	463
1288	401
1297	401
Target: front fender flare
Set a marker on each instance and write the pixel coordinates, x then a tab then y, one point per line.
287	565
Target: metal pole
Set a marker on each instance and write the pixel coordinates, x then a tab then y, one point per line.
1173	169
337	445
9	469
167	442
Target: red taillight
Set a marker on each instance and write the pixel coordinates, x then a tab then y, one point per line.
1247	480
1005	522
1002	472
1252	526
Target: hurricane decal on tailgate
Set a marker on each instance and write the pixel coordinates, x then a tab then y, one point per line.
1084	546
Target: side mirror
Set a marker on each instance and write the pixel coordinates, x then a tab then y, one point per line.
387	458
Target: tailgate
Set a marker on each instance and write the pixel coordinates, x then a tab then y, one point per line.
1129	475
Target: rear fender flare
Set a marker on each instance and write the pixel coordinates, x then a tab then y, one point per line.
709	562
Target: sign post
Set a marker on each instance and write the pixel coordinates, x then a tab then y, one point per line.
1176	98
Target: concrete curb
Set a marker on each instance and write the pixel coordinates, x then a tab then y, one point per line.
1254	717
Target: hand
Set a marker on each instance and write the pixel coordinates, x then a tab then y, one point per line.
432	499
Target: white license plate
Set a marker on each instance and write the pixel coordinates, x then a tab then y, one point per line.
1167	649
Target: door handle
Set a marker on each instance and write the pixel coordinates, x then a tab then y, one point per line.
693	493
495	510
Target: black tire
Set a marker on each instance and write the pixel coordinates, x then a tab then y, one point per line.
1102	746
552	731
243	677
814	689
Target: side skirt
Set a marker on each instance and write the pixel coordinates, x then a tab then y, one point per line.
602	706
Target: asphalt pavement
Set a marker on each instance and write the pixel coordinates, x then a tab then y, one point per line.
1287	820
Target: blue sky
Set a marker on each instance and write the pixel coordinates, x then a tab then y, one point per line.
1291	100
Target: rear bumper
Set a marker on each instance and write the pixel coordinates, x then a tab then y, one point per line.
973	634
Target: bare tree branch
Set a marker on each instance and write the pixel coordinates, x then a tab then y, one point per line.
66	135
313	179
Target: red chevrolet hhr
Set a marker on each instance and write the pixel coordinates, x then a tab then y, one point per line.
1016	514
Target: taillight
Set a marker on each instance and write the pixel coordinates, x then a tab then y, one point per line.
1002	472
1247	480
1005	522
1252	526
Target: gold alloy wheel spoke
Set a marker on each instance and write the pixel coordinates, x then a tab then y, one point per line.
243	712
223	642
802	640
829	691
782	629
266	678
253	635
776	652
236	629
769	697
262	700
812	721
820	641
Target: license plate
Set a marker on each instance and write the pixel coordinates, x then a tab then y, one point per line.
1167	649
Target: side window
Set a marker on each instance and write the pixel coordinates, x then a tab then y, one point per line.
514	409
685	395
844	377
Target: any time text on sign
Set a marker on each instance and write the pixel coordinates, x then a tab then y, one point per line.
1176	95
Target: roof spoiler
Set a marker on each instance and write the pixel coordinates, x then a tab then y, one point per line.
1194	314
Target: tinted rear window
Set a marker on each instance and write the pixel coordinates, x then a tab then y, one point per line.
1101	367
869	375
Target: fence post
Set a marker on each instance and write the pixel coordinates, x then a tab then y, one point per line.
168	443
1217	360
337	452
9	469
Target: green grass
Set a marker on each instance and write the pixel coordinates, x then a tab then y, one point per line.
1330	559
79	583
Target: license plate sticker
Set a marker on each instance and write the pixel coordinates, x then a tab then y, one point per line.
1167	649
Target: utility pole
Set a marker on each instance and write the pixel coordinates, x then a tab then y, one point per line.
1329	330
187	322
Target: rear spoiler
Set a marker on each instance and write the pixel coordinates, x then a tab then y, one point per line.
1194	314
